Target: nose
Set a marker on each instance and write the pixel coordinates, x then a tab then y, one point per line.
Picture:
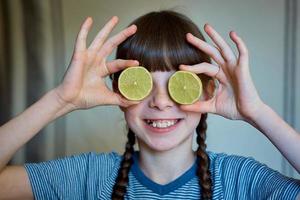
161	100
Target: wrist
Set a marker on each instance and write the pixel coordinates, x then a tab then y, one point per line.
259	111
63	107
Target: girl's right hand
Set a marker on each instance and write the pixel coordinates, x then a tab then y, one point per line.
84	84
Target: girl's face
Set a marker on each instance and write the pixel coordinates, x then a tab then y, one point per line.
157	121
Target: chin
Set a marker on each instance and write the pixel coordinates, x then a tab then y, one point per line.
162	144
162	147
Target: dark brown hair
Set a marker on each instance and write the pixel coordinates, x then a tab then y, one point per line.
160	45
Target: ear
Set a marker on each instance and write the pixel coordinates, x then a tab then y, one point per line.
209	90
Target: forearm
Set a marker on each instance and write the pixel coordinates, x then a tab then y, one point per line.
281	134
19	130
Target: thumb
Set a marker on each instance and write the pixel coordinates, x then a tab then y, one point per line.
126	103
117	99
200	106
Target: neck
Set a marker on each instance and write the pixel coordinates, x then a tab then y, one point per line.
163	167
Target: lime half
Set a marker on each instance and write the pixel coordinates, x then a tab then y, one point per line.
185	87
135	83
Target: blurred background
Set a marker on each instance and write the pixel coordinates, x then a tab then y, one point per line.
36	44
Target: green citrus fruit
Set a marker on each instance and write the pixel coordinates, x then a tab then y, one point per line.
135	83
185	87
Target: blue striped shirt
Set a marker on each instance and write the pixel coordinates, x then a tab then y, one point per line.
92	176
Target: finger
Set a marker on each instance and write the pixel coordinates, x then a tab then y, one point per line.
103	34
200	106
113	42
108	97
243	58
119	64
82	35
225	49
206	68
206	48
126	103
117	99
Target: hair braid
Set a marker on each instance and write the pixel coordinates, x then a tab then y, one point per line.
120	187
203	168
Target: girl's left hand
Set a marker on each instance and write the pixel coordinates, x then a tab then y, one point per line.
236	96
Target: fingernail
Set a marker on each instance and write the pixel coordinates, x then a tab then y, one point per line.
183	66
134	27
182	107
189	35
234	33
115	18
89	18
206	25
132	103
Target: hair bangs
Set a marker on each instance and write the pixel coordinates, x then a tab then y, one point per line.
160	42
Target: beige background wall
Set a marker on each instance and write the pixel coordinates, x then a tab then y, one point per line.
260	23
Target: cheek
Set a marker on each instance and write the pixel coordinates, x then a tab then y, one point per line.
131	115
193	119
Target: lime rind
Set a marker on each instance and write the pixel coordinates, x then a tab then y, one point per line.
135	83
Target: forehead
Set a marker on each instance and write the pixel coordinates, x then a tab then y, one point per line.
159	76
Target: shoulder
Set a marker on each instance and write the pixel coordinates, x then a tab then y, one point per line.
223	159
244	175
89	172
227	166
105	158
81	164
80	160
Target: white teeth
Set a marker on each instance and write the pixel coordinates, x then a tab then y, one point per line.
161	123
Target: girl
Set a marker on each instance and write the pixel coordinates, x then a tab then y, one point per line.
165	167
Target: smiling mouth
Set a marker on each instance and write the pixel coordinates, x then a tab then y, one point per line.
162	123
